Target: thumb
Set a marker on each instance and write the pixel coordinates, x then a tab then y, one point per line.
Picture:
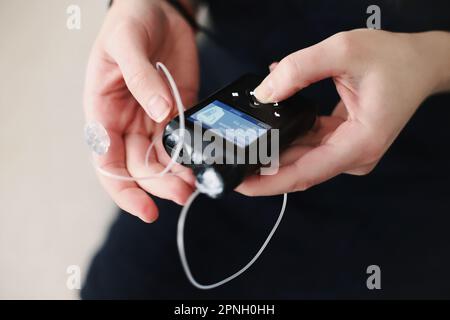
142	79
298	70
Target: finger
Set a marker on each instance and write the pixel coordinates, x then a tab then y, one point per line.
363	170
168	186
340	111
126	194
292	178
131	53
294	153
339	154
323	127
298	70
181	171
160	155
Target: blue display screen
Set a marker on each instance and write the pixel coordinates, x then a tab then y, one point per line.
230	123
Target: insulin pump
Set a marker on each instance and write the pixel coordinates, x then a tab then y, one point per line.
226	134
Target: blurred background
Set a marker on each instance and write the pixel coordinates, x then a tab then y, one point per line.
53	212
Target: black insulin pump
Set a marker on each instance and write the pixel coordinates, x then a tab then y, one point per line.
231	135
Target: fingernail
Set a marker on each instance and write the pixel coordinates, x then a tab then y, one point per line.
150	219
158	108
264	91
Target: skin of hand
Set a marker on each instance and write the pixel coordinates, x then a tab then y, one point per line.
381	77
131	99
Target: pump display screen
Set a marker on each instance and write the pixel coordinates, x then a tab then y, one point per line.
230	123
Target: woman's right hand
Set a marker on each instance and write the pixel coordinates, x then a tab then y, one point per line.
381	77
126	94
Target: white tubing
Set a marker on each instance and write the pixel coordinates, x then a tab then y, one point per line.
182	252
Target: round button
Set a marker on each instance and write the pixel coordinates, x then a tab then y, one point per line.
253	101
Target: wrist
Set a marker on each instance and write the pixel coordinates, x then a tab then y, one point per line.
435	48
187	10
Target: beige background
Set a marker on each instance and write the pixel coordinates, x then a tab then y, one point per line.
53	212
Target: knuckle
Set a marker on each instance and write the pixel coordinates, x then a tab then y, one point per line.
290	70
135	80
368	170
302	185
372	145
373	151
124	29
249	192
246	190
364	171
345	44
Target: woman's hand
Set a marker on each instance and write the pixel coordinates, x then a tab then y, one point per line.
381	77
126	94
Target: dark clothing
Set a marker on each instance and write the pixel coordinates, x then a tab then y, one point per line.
397	218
